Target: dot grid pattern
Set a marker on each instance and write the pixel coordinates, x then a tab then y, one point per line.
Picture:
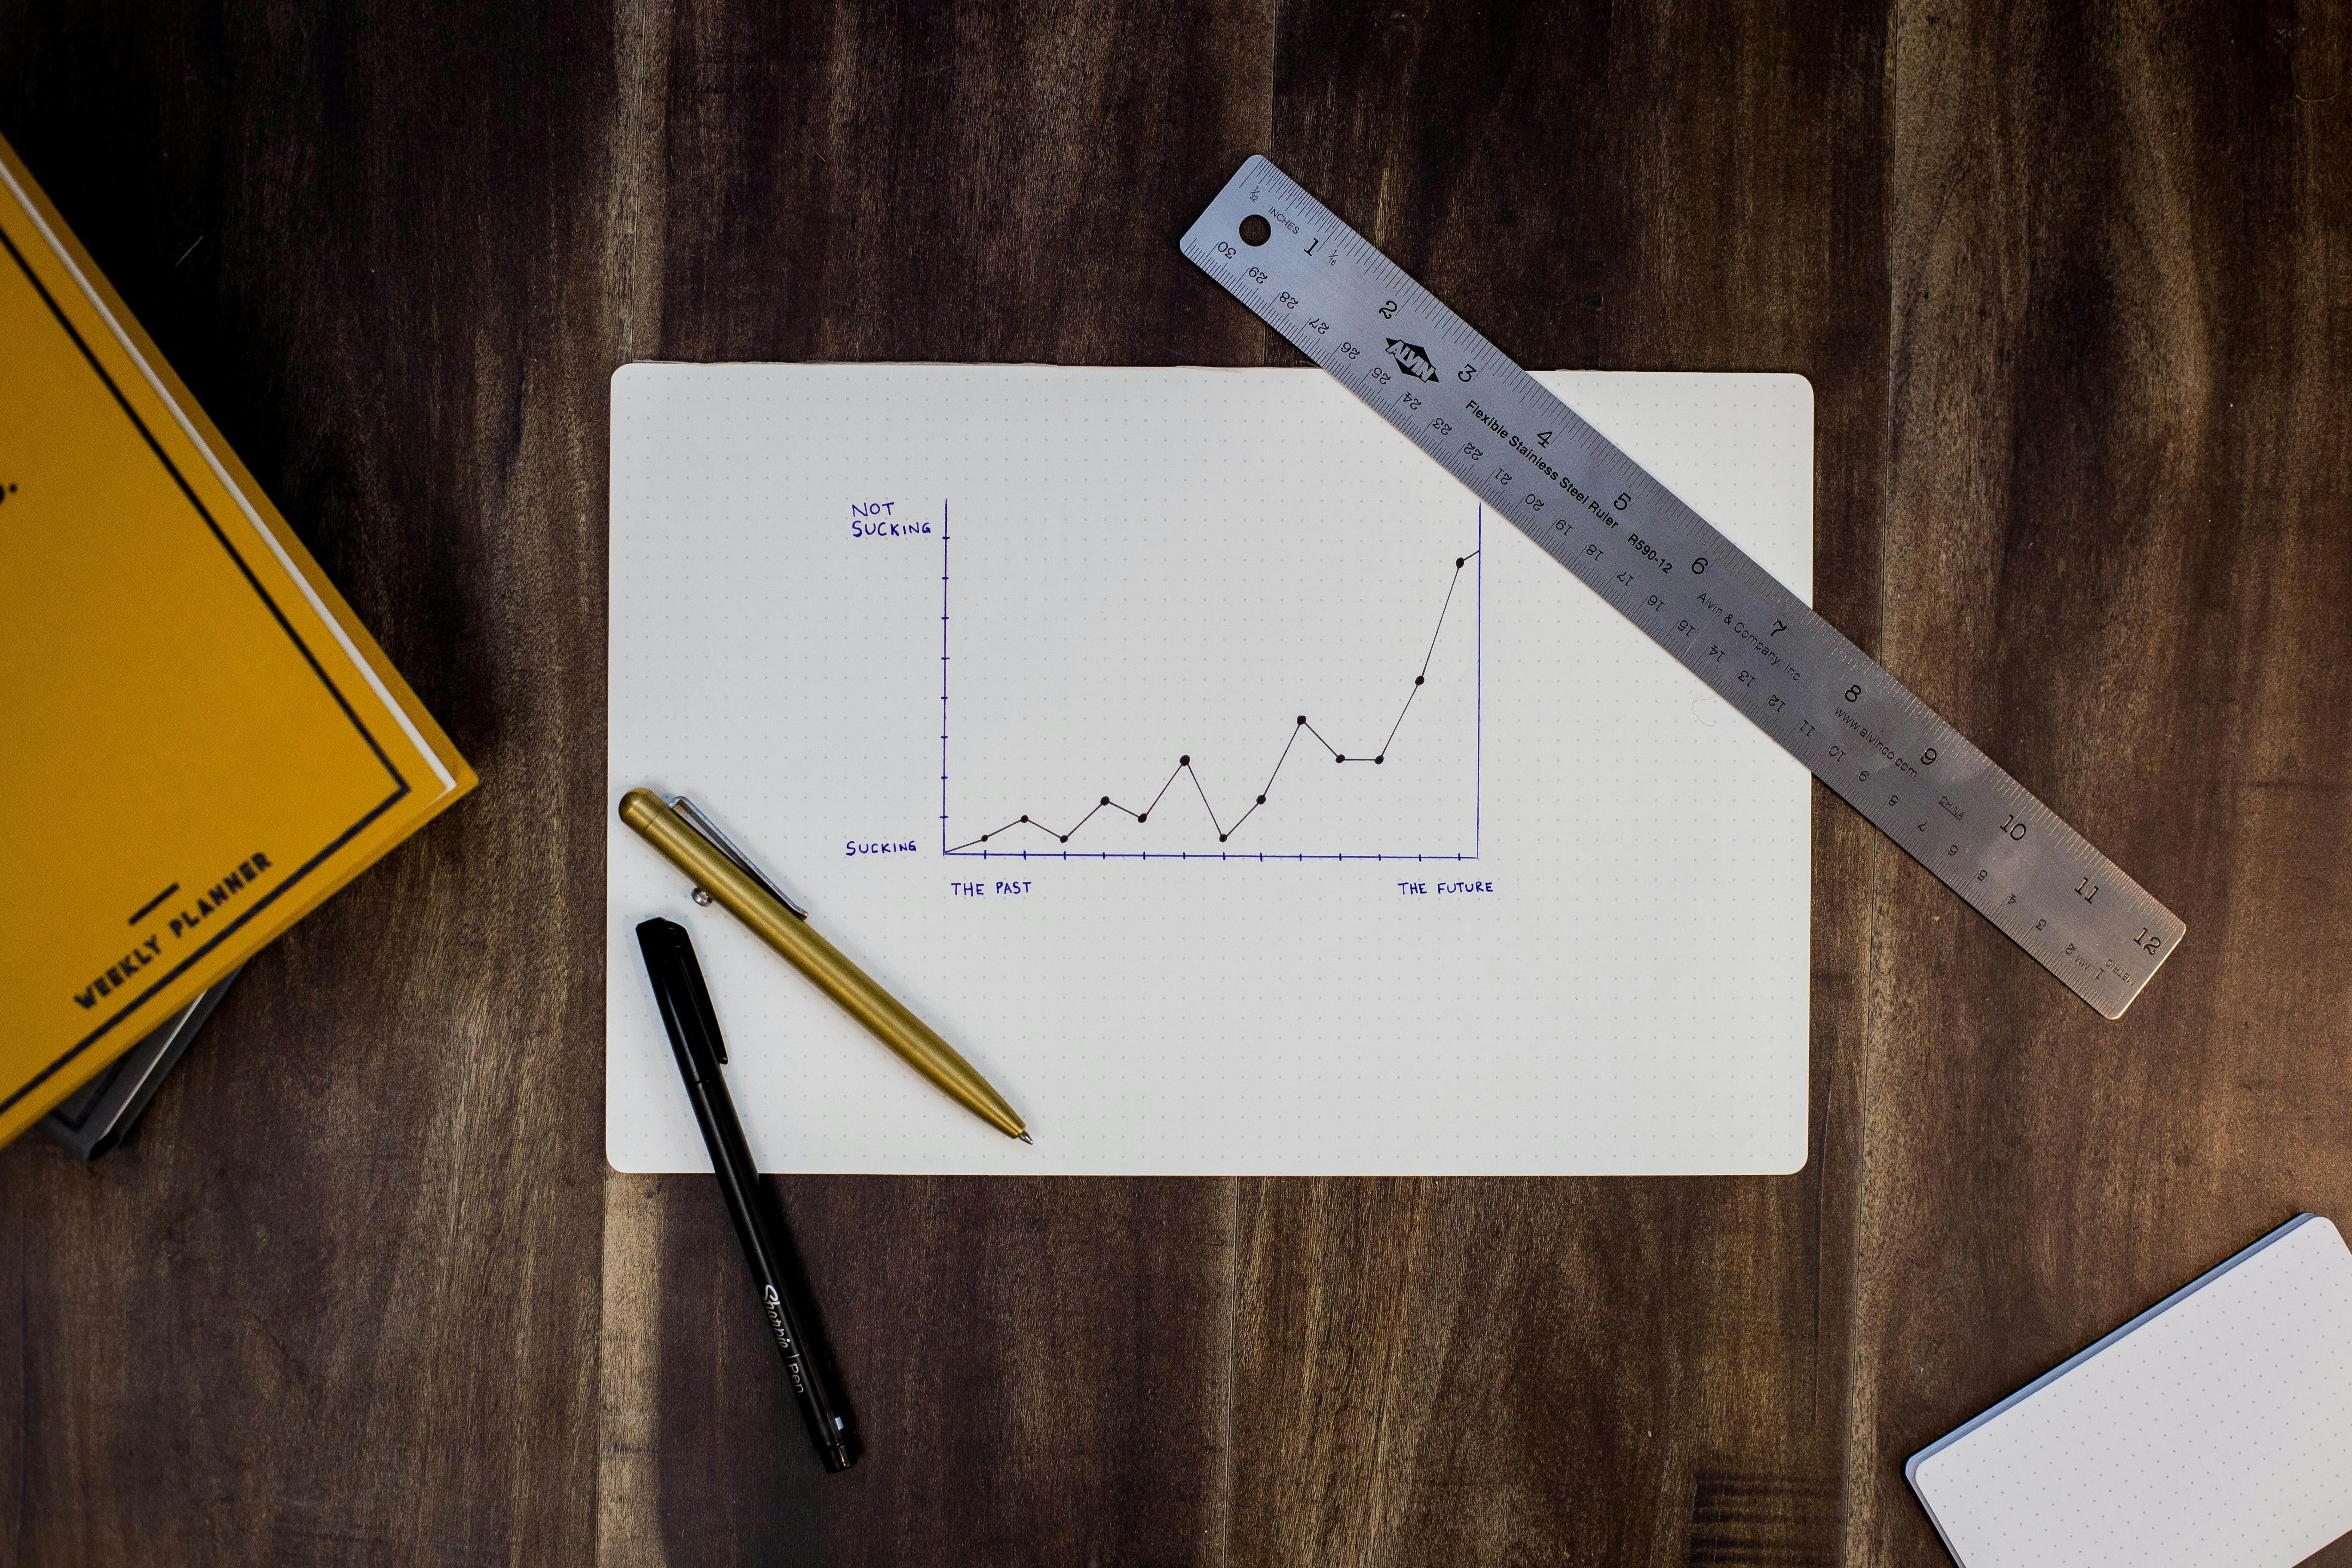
2215	1427
1144	563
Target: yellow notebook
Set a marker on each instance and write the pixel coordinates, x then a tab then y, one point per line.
203	743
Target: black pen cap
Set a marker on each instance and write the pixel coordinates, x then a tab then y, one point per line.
682	997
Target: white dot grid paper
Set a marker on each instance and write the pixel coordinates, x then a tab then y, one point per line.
1142	564
2215	1427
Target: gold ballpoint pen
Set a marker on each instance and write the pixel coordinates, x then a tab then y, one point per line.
688	841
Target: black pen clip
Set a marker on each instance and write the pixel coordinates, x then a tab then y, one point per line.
725	845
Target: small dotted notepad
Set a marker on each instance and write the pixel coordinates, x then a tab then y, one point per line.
2215	1427
1208	767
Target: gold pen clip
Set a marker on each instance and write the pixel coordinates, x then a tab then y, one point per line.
720	842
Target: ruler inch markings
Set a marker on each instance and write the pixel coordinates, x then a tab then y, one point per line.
1523	452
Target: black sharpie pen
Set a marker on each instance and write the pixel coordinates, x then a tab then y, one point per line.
693	1027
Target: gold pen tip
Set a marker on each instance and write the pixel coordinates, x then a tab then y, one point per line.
1026	1139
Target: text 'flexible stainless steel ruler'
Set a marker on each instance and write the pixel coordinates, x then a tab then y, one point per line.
1600	514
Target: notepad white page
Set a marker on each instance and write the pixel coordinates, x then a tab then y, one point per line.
1550	916
2215	1427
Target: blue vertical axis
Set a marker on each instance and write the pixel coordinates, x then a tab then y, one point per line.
942	677
1478	728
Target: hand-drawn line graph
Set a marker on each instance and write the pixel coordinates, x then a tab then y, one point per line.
1018	838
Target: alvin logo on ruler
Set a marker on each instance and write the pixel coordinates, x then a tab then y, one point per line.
1412	359
1692	591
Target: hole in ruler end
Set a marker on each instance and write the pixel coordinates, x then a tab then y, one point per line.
1255	230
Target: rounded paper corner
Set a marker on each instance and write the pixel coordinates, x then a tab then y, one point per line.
1790	1150
641	368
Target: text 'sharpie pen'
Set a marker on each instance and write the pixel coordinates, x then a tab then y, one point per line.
736	887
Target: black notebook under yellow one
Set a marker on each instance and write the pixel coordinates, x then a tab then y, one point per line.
204	740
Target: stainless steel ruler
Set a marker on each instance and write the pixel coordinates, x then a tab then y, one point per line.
1600	514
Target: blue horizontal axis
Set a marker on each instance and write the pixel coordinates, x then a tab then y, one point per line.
1270	857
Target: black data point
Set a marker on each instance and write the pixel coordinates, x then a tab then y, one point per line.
1419	679
1302	717
1106	800
1222	837
984	838
1458	560
1261	800
1337	758
1024	819
1378	760
1184	761
1143	817
1066	839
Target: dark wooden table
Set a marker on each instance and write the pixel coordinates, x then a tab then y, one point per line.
2073	286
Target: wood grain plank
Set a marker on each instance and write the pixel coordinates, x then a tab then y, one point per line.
1040	1368
337	1301
2118	559
974	183
1593	1371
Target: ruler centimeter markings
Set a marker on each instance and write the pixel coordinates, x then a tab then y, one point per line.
1628	538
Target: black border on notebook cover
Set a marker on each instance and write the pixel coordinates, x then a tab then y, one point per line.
399	784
